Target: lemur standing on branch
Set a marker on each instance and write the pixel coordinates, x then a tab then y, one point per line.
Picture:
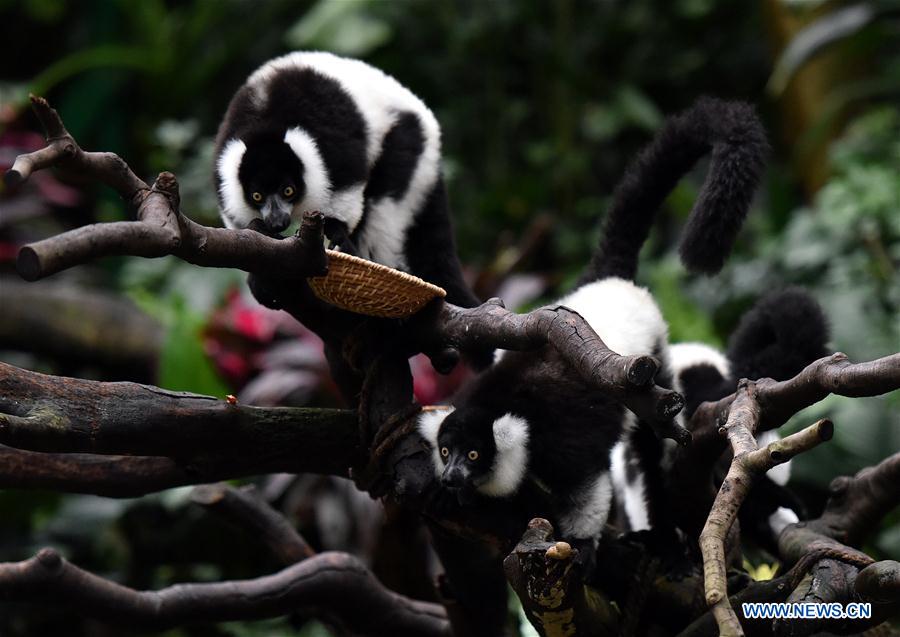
531	416
313	131
783	333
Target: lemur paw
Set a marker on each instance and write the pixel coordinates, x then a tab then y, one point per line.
338	236
261	227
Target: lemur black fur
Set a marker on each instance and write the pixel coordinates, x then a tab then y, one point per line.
313	131
777	338
531	416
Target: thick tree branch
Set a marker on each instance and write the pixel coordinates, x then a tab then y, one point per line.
856	505
833	374
628	379
547	580
779	400
824	569
111	476
54	414
160	228
246	509
334	585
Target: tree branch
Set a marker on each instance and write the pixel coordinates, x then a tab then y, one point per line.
827	570
246	509
334	585
748	462
547	580
628	379
856	505
54	414
110	476
161	229
691	488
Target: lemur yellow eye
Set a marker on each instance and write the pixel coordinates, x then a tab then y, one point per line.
288	192
445	452
257	197
473	455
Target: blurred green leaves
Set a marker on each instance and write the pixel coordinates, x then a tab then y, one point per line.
629	107
181	297
346	28
825	31
142	59
183	364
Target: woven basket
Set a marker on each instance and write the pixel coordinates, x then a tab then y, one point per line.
370	288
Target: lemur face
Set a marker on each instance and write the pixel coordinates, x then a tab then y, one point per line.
467	449
271	178
475	449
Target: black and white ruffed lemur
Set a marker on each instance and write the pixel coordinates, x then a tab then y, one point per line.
314	131
531	417
783	333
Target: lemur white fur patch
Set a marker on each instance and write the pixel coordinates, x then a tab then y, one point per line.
632	495
315	176
511	460
780	519
377	95
623	314
429	426
684	355
589	509
235	211
380	99
780	473
681	357
384	234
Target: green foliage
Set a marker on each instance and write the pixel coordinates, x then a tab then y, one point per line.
183	364
181	296
345	28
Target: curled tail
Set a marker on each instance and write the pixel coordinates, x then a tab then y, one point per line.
783	333
734	136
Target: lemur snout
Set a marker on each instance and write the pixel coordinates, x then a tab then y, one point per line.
454	475
278	221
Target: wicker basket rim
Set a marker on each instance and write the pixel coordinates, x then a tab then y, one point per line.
379	269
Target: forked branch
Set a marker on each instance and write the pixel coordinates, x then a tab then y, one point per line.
749	462
246	509
160	228
776	403
766	402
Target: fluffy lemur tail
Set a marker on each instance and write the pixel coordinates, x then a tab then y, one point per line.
780	335
734	136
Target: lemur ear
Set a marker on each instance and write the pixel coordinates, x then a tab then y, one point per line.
510	432
511	459
429	426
